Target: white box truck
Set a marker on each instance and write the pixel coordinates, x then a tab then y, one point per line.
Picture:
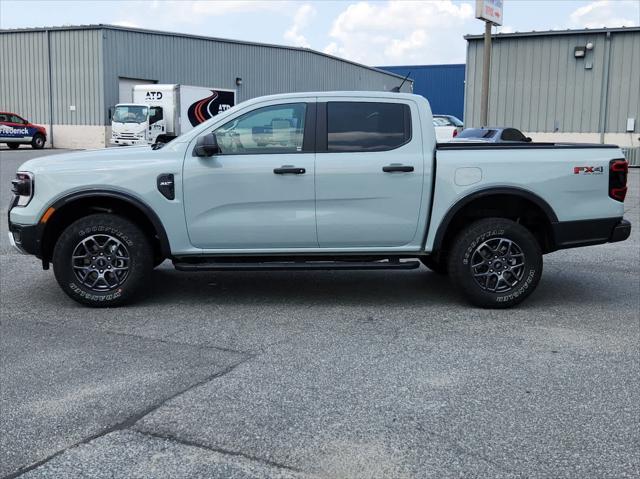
159	113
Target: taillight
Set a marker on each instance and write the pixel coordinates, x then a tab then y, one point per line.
618	170
455	132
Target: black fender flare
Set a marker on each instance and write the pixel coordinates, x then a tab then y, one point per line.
151	215
513	191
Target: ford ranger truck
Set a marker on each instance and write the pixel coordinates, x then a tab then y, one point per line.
332	180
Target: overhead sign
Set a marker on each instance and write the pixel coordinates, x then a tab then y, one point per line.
489	11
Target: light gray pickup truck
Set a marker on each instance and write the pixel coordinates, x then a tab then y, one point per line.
333	180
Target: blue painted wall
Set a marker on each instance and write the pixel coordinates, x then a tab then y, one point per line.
442	85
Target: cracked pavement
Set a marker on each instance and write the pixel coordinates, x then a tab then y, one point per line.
323	374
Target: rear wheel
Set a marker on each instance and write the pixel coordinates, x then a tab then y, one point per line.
102	260
13	146
37	142
496	263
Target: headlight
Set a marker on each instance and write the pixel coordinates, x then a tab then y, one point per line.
22	187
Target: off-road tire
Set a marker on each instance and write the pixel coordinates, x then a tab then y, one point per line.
439	267
38	141
97	227
468	249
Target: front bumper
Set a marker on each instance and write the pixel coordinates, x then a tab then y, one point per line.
127	142
25	238
573	234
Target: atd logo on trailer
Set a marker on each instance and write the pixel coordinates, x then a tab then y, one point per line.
153	96
588	170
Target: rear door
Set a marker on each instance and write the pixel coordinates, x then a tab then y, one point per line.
258	193
369	173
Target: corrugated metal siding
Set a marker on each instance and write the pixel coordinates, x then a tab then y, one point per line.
624	84
537	84
76	75
24	81
201	62
87	62
442	85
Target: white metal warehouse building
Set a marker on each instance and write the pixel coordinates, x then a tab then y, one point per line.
67	78
570	85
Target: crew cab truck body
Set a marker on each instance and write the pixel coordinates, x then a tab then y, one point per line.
342	180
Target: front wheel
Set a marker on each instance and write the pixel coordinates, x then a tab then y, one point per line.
496	263
38	142
102	260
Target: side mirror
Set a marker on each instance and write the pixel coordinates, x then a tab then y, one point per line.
528	139
206	145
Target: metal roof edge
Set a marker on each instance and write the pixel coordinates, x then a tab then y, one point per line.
439	65
104	26
545	33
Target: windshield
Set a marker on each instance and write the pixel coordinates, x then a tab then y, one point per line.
130	114
456	121
446	120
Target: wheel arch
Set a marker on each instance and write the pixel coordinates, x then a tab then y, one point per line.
540	216
76	205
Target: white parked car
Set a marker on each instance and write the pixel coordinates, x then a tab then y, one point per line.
447	127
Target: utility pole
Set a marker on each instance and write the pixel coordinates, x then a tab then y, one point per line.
490	12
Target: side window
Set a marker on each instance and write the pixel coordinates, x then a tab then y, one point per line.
367	126
17	119
511	134
4	117
272	129
155	114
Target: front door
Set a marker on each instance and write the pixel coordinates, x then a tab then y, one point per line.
14	129
369	174
258	193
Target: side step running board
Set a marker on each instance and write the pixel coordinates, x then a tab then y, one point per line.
297	265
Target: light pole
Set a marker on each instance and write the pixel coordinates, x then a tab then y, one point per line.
489	11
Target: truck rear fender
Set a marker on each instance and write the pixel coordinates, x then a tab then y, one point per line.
517	204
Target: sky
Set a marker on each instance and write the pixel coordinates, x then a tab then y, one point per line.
370	32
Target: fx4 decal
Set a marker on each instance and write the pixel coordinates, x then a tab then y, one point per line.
588	170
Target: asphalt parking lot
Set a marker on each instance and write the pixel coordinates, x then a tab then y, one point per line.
323	374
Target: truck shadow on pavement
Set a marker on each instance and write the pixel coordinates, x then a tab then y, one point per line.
421	288
347	288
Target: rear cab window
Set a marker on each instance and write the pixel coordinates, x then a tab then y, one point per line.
354	126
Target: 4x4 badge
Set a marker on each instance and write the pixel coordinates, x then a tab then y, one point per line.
588	170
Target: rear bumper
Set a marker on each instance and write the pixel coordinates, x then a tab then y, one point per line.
621	232
573	234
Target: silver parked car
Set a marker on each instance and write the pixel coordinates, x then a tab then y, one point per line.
492	135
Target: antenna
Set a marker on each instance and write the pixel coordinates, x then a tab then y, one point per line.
397	88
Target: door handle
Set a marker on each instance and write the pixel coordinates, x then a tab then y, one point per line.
289	170
393	167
